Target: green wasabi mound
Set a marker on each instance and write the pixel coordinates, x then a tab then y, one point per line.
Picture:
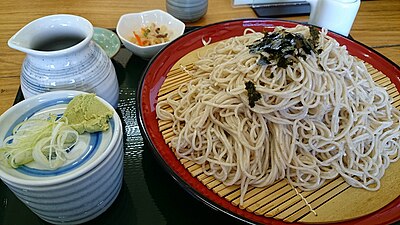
86	113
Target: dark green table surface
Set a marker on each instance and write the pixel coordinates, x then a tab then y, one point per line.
149	195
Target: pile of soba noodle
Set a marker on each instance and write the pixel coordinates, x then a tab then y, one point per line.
317	119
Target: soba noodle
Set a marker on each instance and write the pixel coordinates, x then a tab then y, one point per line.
319	118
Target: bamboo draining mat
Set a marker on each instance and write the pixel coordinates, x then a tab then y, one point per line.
334	202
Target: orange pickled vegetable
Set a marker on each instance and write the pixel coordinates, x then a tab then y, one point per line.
151	35
139	41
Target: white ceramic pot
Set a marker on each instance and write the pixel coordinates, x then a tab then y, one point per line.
86	185
62	56
187	10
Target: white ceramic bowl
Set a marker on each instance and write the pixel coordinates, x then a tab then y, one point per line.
134	21
81	189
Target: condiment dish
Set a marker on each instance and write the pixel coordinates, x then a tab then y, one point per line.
131	22
86	184
107	40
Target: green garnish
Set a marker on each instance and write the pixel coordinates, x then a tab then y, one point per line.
146	32
276	47
48	141
314	32
252	93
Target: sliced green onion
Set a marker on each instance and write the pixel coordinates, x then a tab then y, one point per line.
45	141
49	141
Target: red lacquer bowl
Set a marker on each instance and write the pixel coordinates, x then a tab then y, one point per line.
155	75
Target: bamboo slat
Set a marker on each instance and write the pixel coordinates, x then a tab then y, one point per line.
278	200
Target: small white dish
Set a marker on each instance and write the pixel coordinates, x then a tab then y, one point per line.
131	22
107	40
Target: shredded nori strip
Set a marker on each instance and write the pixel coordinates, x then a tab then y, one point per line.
276	47
314	32
252	93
